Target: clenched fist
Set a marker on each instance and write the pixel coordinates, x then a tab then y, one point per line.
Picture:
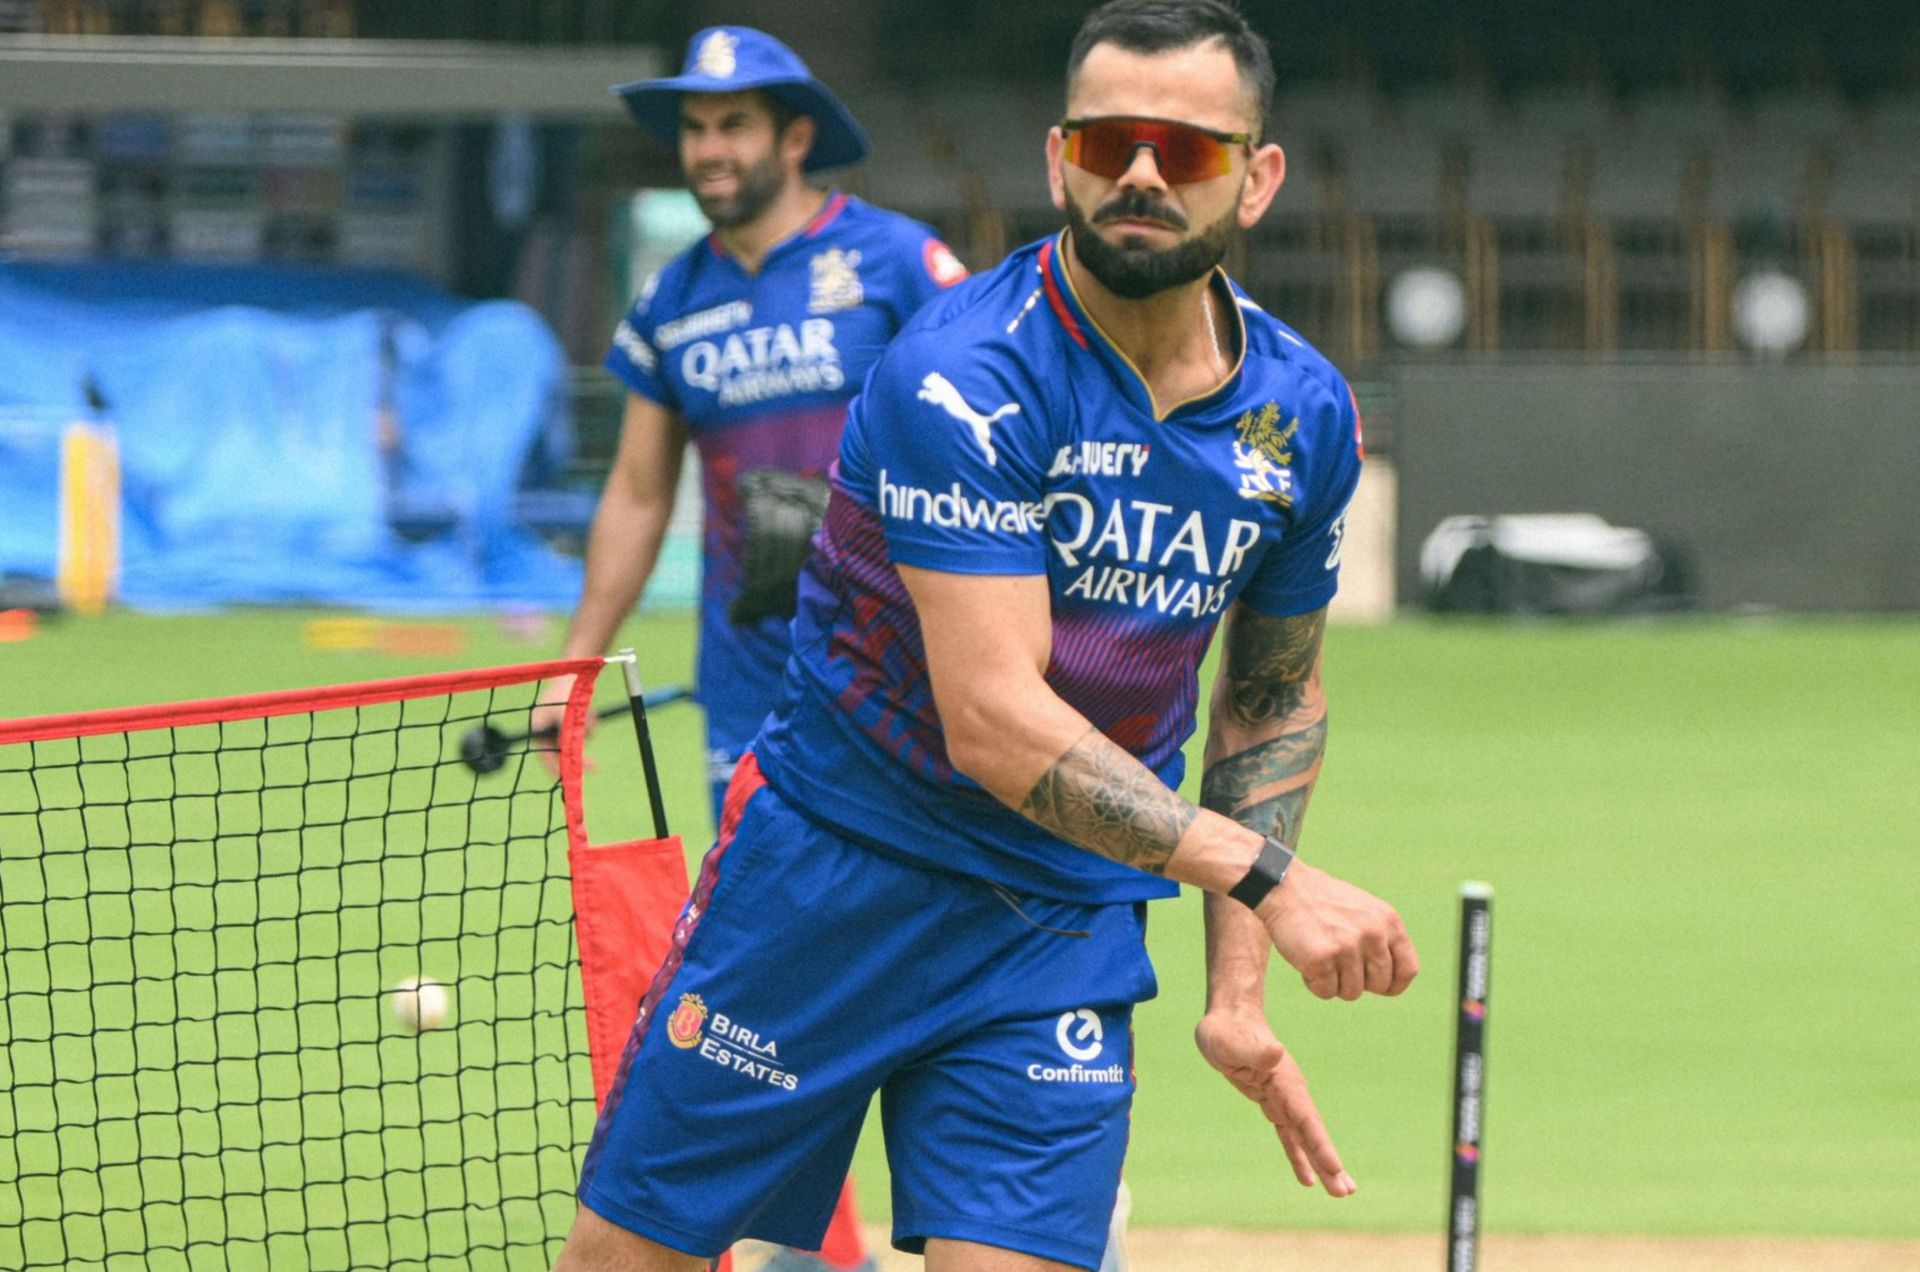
1343	940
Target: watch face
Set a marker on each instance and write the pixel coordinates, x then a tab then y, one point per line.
1268	869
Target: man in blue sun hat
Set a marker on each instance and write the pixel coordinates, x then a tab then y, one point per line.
750	344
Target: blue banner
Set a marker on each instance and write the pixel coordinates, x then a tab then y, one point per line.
286	434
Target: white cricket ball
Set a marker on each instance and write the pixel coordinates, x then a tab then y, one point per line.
418	1003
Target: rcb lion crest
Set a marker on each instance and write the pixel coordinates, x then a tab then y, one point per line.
716	56
683	1027
836	281
1263	453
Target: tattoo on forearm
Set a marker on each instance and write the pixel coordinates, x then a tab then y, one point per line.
1269	663
1279	817
1266	786
1270	685
1101	798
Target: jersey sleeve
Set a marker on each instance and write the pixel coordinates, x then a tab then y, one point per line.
947	453
633	360
1302	572
927	267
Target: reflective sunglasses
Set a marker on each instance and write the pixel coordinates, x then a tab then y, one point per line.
1185	153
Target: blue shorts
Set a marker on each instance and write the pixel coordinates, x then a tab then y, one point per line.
809	972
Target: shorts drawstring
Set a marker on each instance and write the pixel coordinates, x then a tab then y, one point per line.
1012	900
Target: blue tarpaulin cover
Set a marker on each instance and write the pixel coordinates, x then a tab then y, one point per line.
248	406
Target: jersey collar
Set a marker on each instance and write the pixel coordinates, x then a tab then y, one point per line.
1085	331
829	212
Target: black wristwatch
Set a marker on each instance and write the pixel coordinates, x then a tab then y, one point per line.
1268	869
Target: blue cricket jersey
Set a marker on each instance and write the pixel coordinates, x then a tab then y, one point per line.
760	367
1003	433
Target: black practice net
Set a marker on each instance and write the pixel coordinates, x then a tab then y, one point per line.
204	1062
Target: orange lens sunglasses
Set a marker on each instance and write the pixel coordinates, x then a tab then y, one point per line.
1185	153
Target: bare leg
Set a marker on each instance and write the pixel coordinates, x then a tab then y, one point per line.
1116	1256
967	1256
594	1245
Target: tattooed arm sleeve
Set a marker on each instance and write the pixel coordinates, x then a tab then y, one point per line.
988	641
1269	723
1263	753
1100	797
1268	729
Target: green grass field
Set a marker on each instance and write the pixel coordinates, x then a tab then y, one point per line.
1703	841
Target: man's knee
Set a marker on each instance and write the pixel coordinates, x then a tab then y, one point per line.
968	1256
596	1245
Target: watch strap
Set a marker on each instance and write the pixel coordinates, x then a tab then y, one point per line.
1268	869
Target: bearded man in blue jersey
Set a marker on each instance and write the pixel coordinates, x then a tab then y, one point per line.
930	879
751	343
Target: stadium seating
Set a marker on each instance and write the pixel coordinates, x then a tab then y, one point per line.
1598	186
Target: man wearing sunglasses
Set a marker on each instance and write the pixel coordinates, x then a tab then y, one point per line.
930	883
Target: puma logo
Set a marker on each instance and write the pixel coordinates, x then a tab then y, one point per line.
939	390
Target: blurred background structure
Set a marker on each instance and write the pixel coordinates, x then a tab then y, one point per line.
1659	261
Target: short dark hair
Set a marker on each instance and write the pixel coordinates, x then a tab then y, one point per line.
783	112
1155	26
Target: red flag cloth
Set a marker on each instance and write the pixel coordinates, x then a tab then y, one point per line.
625	900
626	897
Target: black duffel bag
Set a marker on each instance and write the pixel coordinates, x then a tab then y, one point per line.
1560	564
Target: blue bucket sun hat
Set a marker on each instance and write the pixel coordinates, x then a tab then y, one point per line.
735	59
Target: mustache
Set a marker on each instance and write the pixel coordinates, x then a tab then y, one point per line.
1137	205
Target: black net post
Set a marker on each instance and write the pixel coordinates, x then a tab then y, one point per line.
1469	1077
637	702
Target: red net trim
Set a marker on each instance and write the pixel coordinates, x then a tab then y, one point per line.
169	715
